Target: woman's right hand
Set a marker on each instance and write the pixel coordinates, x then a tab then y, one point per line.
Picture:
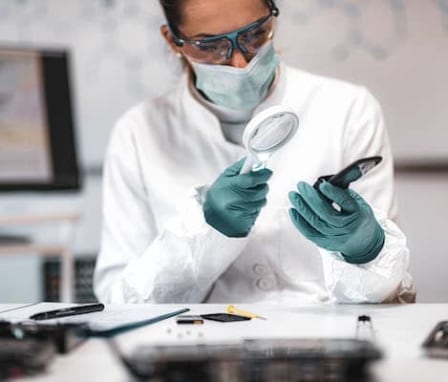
233	202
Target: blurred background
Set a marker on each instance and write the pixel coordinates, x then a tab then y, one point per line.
87	61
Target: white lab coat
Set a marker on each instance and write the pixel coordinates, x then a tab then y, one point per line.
156	245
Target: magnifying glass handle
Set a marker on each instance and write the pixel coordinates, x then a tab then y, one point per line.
247	166
252	164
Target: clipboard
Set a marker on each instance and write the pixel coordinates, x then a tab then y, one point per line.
120	329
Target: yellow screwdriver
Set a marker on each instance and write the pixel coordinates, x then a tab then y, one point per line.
233	310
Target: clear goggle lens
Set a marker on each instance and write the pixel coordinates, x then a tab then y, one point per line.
219	50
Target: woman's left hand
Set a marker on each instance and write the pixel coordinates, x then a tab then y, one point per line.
351	229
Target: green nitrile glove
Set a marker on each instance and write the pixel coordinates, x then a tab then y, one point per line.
353	231
233	202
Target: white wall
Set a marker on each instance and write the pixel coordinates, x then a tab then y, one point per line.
398	48
423	203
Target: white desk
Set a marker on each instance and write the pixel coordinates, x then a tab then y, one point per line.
399	329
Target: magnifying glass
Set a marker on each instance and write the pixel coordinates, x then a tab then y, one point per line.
267	132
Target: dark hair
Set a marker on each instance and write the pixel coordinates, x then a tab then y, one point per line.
172	11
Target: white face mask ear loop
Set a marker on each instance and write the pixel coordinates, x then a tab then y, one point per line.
182	60
173	57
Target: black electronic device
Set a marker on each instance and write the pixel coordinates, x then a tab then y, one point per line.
37	138
254	360
22	354
436	344
25	357
350	173
63	336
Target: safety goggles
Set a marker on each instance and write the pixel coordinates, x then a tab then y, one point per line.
218	49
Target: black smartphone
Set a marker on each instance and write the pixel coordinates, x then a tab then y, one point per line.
350	173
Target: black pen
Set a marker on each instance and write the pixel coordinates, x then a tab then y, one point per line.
71	311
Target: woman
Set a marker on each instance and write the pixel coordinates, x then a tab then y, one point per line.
181	224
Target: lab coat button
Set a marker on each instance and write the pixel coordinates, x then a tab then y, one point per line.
266	284
261	270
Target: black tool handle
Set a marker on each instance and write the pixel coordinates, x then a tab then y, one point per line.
71	311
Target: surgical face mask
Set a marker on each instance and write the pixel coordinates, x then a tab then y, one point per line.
238	88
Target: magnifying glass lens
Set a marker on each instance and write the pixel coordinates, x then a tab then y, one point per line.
272	133
266	133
